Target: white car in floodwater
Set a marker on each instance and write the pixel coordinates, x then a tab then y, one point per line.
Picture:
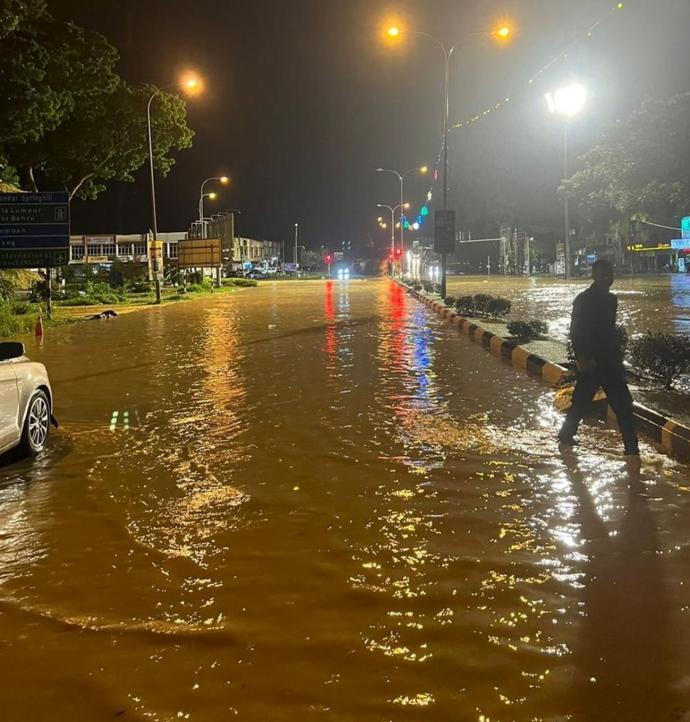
26	401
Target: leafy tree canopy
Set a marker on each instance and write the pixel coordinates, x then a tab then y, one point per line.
640	168
70	121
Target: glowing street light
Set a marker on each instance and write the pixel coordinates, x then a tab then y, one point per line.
401	177
188	85
221	179
567	102
502	33
393	210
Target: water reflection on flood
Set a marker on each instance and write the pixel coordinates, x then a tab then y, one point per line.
328	504
646	302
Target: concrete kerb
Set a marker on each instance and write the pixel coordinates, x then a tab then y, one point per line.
551	373
673	436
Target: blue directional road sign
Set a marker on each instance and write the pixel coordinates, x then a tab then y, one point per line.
34	230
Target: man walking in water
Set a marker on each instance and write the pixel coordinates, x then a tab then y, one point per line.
599	360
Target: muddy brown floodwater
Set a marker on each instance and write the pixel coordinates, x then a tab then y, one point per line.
645	302
314	501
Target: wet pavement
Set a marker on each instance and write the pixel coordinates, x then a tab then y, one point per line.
645	302
315	501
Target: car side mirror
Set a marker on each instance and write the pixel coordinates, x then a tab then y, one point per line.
10	350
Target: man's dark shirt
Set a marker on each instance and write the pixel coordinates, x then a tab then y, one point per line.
593	324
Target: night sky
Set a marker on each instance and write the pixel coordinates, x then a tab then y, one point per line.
304	101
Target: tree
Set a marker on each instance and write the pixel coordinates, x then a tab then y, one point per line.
70	121
15	12
107	140
639	169
48	69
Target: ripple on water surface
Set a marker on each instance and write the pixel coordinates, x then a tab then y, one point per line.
328	504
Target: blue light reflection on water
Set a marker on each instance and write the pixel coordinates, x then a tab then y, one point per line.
680	298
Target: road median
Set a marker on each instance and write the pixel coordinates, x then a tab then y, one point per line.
672	435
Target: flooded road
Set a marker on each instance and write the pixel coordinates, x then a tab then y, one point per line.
645	302
314	501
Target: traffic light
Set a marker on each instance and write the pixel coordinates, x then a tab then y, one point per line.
328	260
398	253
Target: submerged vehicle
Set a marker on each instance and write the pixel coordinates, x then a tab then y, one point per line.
26	401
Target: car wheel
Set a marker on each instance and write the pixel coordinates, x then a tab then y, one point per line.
36	425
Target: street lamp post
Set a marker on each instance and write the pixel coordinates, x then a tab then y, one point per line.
222	179
392	210
567	102
401	177
502	34
296	235
190	84
202	220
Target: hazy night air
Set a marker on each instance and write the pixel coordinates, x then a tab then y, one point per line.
304	101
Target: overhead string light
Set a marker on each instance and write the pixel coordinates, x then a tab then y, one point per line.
471	120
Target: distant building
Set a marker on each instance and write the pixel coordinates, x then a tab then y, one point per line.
236	250
128	248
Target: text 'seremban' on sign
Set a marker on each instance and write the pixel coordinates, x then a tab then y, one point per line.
34	230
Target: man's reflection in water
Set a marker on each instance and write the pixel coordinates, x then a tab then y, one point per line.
624	663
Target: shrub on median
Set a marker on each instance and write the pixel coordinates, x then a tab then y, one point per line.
483	304
240	282
450	301
663	356
528	330
430	287
465	306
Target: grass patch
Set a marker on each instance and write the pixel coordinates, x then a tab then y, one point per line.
12	324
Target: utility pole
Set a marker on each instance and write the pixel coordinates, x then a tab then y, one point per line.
296	234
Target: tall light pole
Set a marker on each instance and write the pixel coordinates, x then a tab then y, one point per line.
393	210
401	177
189	85
222	179
202	220
502	33
296	235
567	102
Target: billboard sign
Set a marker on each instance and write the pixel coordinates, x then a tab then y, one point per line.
199	253
34	230
685	227
444	231
680	244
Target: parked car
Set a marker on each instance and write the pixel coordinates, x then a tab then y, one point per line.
257	274
26	401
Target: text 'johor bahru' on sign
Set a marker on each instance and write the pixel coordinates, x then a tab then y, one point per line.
34	229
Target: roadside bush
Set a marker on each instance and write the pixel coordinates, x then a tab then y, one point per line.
38	293
497	307
80	301
465	306
662	356
21	308
12	325
430	287
483	304
417	286
12	280
449	301
195	288
528	330
141	287
104	293
240	282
